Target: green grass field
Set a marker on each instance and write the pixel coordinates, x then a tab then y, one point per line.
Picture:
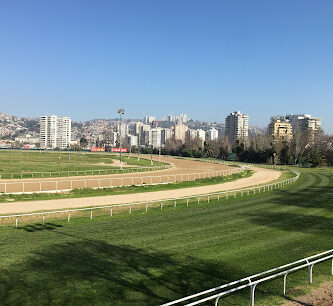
17	162
151	258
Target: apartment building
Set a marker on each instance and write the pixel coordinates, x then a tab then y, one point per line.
191	134
280	128
304	123
237	127
149	119
213	134
201	134
165	135
55	132
180	131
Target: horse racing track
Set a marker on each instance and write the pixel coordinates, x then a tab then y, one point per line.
155	257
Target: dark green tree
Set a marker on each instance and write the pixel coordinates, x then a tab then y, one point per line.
316	158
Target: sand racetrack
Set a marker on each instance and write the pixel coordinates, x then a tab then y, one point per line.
260	176
180	170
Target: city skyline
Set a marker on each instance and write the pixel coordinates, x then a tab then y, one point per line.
85	60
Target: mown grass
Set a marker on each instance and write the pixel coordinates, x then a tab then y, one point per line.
151	258
24	162
88	192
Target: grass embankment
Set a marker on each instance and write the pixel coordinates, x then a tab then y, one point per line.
16	162
150	258
87	192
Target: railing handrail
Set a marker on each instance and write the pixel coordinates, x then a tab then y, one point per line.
123	177
83	171
249	280
214	173
293	179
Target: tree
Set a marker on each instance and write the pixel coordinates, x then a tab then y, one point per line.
285	157
186	152
298	145
83	142
208	149
316	158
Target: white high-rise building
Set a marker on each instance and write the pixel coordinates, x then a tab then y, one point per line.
213	134
202	135
133	140
191	134
165	135
237	127
169	118
156	137
304	123
153	137
183	118
55	132
149	119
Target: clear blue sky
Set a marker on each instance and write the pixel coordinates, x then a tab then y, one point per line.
204	58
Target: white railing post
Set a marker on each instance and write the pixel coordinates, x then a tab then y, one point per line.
252	289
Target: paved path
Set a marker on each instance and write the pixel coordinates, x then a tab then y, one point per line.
260	176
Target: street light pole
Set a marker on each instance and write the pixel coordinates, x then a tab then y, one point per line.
121	112
139	146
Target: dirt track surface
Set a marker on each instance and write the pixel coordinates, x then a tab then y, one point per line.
260	176
178	168
323	296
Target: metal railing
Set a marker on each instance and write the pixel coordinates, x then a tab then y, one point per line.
215	294
197	198
23	175
62	185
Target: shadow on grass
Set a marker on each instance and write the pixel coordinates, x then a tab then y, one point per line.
40	227
94	272
294	222
317	195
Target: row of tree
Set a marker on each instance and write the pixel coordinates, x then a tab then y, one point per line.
306	149
309	149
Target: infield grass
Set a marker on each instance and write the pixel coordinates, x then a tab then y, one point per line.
15	163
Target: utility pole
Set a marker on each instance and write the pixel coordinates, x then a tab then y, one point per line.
159	154
139	146
121	112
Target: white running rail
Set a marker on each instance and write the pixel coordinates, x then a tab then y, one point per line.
23	175
60	185
215	294
219	195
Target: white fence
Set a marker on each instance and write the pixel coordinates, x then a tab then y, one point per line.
105	182
219	195
215	294
21	175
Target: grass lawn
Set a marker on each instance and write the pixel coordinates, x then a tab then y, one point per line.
151	258
12	162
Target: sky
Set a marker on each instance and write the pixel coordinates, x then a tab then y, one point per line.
84	59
